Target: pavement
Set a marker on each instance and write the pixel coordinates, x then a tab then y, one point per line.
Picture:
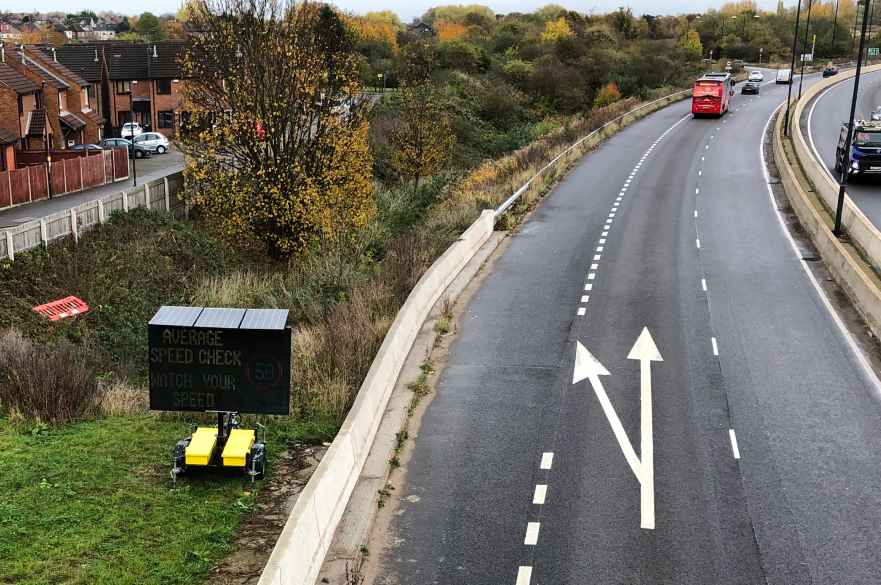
559	450
159	165
822	123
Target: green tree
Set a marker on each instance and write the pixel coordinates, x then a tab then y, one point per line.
423	137
150	27
691	42
288	165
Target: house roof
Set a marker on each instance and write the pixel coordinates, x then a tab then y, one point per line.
57	67
126	61
84	60
16	81
93	116
74	122
43	72
7	137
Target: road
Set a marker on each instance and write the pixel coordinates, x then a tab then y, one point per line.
822	122
148	169
764	426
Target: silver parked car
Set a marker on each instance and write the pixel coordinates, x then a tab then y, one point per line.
152	141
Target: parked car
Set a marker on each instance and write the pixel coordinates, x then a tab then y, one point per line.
784	75
85	147
134	150
130	129
756	76
152	141
830	71
750	87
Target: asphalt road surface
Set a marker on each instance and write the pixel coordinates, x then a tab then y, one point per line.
758	432
822	119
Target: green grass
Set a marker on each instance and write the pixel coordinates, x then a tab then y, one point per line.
93	503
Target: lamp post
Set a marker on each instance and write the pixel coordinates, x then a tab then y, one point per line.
792	69
845	169
804	46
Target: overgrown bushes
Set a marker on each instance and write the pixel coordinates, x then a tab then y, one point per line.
49	384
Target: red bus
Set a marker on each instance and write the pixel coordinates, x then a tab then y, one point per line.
711	94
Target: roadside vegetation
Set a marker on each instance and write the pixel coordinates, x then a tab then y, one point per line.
305	199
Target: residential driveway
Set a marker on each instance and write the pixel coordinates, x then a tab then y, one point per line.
147	170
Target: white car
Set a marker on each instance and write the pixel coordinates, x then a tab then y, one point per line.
152	141
756	76
784	76
131	129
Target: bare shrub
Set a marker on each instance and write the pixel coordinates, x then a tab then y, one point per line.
119	398
49	384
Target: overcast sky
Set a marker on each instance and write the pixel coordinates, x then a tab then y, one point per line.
406	9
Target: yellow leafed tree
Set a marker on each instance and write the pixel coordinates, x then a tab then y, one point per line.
277	148
449	31
556	30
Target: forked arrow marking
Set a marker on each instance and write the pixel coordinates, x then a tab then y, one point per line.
588	367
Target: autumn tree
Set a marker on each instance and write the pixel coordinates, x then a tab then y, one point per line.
422	138
556	30
691	42
279	151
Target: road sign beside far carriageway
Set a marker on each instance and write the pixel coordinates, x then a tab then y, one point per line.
873	51
212	359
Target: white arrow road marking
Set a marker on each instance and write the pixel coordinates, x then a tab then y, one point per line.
588	367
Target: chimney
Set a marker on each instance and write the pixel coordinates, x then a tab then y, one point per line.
155	54
54	56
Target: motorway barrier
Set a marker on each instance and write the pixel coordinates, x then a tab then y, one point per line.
811	206
861	231
301	548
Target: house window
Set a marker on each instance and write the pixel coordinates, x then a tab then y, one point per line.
122	87
166	119
93	94
163	87
124	117
85	98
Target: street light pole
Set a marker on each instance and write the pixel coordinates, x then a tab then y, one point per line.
792	68
804	47
845	169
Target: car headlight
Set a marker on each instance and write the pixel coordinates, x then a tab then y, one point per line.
855	165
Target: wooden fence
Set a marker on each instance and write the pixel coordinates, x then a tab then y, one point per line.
159	194
62	175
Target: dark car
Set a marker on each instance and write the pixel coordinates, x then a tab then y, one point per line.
865	150
750	87
85	147
133	150
830	71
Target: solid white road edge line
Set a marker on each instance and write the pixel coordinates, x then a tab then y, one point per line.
734	448
848	338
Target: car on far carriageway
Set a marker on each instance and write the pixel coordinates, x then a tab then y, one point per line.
865	151
830	71
750	87
756	76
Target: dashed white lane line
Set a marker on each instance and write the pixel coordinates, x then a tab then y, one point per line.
585	298
697	242
588	287
697	191
605	234
699	173
541	492
597	257
695	213
547	460
704	284
602	240
734	448
532	529
524	575
581	312
715	346
599	248
594	266
702	159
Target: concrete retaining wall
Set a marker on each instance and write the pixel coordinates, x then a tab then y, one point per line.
844	265
861	231
308	532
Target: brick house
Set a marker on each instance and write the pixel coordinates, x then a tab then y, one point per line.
22	116
77	115
87	63
139	82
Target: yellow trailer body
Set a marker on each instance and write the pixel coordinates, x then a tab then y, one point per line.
239	444
201	446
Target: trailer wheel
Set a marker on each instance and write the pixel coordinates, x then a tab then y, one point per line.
255	464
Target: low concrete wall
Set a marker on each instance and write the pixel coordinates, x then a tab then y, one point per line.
308	532
845	265
861	231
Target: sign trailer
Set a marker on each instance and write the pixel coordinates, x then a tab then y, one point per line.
223	361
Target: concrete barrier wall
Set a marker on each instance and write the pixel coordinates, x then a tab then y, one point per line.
845	267
861	231
308	532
